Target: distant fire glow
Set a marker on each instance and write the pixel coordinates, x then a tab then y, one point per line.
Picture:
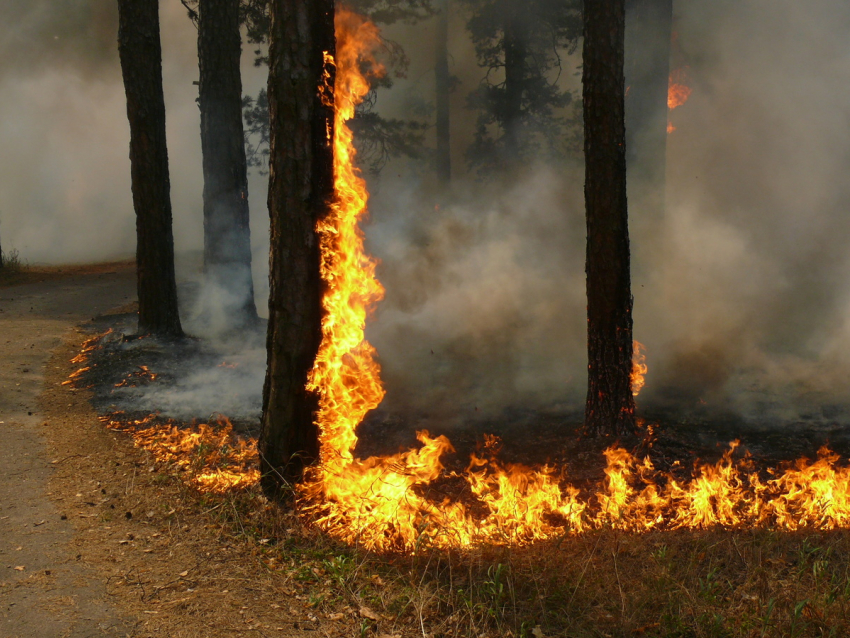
678	93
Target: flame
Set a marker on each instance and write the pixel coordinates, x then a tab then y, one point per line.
131	379
639	367
396	501
677	91
214	460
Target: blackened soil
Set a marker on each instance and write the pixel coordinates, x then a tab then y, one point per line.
675	439
125	362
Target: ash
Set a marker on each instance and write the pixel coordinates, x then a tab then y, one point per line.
189	380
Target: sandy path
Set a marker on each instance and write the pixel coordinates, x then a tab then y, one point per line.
44	590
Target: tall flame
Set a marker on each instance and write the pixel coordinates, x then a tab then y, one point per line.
389	502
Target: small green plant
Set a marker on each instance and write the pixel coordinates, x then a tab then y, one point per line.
10	263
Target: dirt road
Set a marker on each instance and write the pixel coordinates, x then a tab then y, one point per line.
45	591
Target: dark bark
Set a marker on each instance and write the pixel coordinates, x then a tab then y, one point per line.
300	192
649	25
444	153
227	237
515	43
610	405
141	65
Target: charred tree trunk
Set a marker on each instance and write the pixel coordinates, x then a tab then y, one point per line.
649	25
300	192
610	405
227	236
444	152
515	47
141	65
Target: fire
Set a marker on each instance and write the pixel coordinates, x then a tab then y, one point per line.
143	374
388	502
678	92
639	367
392	502
212	458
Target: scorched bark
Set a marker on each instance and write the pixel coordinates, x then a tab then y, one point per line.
610	405
300	192
141	66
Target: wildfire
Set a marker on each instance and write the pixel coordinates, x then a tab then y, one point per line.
392	502
388	502
143	374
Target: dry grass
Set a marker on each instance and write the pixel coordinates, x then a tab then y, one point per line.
16	271
193	564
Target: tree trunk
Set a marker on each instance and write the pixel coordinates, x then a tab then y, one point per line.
227	236
515	47
300	192
444	154
141	65
610	405
649	25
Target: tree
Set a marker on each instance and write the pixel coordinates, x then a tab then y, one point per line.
649	26
378	138
521	108
300	192
227	235
443	91
610	405
140	53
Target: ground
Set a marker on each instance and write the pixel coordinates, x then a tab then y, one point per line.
97	538
45	587
93	542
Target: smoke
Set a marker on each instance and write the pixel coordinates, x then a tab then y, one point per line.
741	293
740	288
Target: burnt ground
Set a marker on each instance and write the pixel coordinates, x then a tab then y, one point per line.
198	379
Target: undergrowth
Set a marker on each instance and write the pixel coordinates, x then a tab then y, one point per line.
682	584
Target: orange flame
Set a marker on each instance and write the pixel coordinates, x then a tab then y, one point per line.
677	91
639	367
212	458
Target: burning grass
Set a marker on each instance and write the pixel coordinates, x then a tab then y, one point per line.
742	580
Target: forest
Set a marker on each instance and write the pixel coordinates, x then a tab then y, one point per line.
424	318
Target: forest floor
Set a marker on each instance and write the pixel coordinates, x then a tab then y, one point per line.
97	538
92	543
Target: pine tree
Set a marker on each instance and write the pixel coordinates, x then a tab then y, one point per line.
140	52
300	192
610	405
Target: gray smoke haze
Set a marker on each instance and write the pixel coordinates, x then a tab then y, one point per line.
741	289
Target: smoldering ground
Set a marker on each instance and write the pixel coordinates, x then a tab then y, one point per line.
740	286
